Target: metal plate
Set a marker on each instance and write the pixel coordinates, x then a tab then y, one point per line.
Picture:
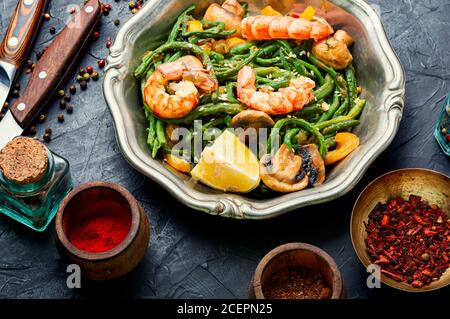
378	70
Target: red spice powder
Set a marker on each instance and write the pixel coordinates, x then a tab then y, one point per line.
100	232
294	282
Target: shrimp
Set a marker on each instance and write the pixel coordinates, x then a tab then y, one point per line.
270	27
285	100
185	95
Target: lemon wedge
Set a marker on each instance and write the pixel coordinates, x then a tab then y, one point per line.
228	165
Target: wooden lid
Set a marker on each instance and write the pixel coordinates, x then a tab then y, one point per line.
24	160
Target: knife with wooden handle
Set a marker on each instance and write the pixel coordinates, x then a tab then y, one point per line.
19	37
51	70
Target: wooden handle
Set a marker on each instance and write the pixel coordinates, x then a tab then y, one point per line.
21	31
57	62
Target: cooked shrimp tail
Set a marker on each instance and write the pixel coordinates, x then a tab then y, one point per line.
285	100
271	27
188	70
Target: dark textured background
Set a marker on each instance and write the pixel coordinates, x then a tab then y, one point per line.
191	254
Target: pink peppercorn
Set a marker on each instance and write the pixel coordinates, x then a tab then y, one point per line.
101	63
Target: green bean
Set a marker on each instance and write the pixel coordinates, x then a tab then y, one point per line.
357	108
160	132
310	110
264	71
340	126
351	82
333	107
194	40
302	124
275	83
284	62
242	48
342	85
331	142
207	23
216	56
267	50
151	130
234	70
289	135
155	148
147	60
268	61
230	92
176	152
210	34
299	67
176	28
209	110
178	46
285	45
342	110
214	123
228	119
315	71
327	87
322	66
320	126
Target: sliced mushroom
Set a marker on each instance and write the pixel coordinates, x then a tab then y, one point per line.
216	13
252	118
334	51
312	164
282	172
343	36
234	7
251	122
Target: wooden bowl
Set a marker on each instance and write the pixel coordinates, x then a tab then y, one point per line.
297	254
93	198
432	186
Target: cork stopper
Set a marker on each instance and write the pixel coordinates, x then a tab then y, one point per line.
24	160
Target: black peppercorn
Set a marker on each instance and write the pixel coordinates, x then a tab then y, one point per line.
52	30
62	104
47	137
48	130
69	109
67	98
60	118
83	85
117	22
73	89
15	93
32	130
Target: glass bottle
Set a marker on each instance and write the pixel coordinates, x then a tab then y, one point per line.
35	204
442	132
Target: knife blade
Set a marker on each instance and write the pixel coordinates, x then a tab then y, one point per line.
51	70
19	36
